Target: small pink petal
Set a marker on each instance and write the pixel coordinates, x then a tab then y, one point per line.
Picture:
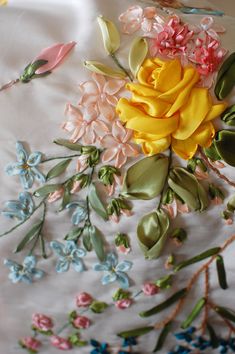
109	155
130	150
113	86
89	136
182	208
217	164
171	209
107	111
229	221
99	80
114	218
123	249
118	131
113	100
120	159
199	174
108	141
217	201
54	55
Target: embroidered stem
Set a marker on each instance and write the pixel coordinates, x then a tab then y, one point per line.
228	324
9	84
60	157
73	176
23	221
190	284
217	172
66	325
115	59
166	180
88	220
206	296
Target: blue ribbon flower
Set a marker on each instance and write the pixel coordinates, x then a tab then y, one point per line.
24	273
114	270
79	213
25	167
100	348
68	254
127	342
21	208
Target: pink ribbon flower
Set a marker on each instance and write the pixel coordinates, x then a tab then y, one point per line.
60	343
81	322
30	343
42	322
150	289
83	299
123	303
54	56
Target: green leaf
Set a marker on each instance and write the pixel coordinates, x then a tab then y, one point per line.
86	239
98	306
225	144
195	312
231	204
137	332
146	178
58	169
162	337
31	234
97	242
221	272
225	78
68	144
137	54
102	69
225	313
228	116
212	152
74	234
111	37
96	203
165	282
187	187
152	232
213	337
162	306
47	189
200	257
66	196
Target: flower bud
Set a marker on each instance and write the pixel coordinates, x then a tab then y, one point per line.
83	299
164	282
216	194
30	343
111	37
98	306
81	322
150	289
102	69
123	304
106	174
121	294
122	243
179	235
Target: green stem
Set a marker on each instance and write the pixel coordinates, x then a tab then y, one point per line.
23	221
116	61
88	220
66	325
40	237
60	157
73	176
166	180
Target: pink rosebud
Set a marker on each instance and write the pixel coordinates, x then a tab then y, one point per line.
81	322
54	55
81	163
41	322
123	249
217	201
83	299
126	212
182	207
30	343
114	218
229	221
171	208
123	304
200	174
55	195
60	343
150	289
76	187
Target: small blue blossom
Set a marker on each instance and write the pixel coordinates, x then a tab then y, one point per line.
68	254
114	270
24	273
21	208
25	167
100	348
79	213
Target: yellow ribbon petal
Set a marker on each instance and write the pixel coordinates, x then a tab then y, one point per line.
184	148
157	146
216	111
204	134
152	105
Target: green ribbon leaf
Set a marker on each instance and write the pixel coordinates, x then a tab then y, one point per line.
67	195
98	306
200	257
74	234
152	233
162	306
165	282
225	144
225	78
221	272
187	187
102	69
213	337
31	234
212	153
137	54
110	34
97	242
225	313
45	190
146	178
228	116
68	144
195	312
58	169
137	332
96	202
162	337
30	70
86	238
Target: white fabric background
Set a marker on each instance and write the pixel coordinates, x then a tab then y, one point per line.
33	113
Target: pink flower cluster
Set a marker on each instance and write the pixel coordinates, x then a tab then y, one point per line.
42	322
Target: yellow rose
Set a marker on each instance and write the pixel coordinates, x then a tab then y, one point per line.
167	109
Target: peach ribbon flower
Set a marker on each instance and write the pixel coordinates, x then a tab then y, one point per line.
54	55
86	125
102	93
117	145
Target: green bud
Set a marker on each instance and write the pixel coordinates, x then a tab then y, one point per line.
212	152
29	72
215	192
94	158
226	214
225	78
85	150
106	174
228	116
168	197
121	294
74	339
72	316
98	306
179	235
122	240
165	282
84	180
231	204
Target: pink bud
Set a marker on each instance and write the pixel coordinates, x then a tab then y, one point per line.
81	163
54	55
114	218
30	343
123	249
217	201
55	195
83	299
126	212
229	221
60	343
123	304
200	174
76	187
81	322
150	289
171	209
42	322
